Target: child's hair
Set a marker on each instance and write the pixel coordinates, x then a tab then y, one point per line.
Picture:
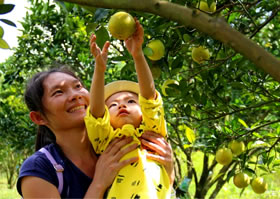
33	98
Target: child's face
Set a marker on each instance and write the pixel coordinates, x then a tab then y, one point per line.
124	109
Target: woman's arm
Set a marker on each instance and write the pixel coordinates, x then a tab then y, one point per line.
145	78
108	165
163	150
35	187
97	104
106	169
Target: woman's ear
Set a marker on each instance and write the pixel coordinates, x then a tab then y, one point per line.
37	118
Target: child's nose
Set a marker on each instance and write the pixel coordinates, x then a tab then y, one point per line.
122	106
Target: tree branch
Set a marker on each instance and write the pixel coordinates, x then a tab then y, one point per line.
274	13
273	145
217	28
258	127
248	14
242	109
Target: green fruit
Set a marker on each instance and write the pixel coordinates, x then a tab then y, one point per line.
237	147
241	180
157	48
259	185
204	6
213	7
121	25
224	156
200	54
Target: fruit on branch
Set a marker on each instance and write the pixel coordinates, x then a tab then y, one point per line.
237	147
200	54
259	185
224	156
121	25
157	48
241	180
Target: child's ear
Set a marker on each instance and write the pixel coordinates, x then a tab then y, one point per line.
37	118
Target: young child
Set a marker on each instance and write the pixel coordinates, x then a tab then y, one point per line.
115	112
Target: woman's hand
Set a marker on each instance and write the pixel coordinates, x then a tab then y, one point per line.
163	151
109	164
100	56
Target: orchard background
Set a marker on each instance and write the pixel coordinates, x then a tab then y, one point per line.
233	95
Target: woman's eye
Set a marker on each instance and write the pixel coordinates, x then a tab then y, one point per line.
131	101
57	92
78	86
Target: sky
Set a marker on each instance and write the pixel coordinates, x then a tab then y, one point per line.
10	32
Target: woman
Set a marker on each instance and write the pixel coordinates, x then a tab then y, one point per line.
57	101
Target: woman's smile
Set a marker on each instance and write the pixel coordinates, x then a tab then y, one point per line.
77	108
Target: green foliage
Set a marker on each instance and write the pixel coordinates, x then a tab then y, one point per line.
16	130
4	9
223	99
5	192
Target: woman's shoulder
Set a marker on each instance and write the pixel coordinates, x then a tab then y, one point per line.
38	162
38	165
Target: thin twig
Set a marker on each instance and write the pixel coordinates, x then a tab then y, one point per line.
274	13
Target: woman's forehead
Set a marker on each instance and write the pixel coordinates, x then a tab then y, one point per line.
58	79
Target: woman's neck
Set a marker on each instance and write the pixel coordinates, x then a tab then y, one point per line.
77	148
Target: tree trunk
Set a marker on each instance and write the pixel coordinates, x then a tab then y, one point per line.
200	189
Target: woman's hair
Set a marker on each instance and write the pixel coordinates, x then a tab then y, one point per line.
33	99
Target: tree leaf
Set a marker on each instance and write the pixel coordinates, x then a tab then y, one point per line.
190	134
263	168
1	32
243	123
217	176
148	51
4	44
5	8
102	36
89	9
276	163
186	37
100	13
90	28
187	146
6	21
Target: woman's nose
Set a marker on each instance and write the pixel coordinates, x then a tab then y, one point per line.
74	95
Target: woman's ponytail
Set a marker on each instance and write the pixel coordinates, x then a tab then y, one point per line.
44	137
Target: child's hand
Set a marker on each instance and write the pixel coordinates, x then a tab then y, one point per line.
134	43
100	56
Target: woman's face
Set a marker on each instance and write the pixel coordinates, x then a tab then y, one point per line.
65	101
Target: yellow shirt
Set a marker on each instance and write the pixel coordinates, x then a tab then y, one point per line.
144	178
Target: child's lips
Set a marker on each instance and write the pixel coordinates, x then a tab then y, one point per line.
123	112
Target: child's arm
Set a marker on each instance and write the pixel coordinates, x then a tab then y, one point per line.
145	78
97	102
